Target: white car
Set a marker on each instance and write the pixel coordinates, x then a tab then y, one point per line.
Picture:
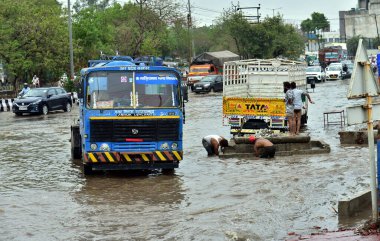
316	74
334	72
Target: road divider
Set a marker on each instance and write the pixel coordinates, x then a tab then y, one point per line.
6	104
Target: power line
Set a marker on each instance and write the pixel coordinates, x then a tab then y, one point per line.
206	9
204	16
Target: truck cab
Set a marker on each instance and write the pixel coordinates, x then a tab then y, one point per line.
131	118
197	72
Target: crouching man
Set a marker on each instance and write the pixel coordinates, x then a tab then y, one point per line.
263	148
212	143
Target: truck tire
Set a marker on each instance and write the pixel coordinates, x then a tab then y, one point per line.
76	146
168	171
87	170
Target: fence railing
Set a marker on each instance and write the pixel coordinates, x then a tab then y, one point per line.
7	88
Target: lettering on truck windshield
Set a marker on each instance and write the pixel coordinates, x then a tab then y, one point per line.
114	90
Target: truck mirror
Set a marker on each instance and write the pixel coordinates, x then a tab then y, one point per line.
80	90
185	93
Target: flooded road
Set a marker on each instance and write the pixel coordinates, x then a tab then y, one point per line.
44	195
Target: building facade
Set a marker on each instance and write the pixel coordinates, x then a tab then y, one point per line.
363	21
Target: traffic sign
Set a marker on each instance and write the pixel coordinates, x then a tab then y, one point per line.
363	82
358	114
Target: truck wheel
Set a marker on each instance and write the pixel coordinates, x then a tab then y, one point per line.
76	146
87	169
168	171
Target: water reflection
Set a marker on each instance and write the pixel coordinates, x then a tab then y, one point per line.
128	208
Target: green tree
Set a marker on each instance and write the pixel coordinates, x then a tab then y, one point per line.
33	40
352	45
320	23
267	39
307	28
317	24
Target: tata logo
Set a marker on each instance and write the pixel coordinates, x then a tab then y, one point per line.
257	107
135	131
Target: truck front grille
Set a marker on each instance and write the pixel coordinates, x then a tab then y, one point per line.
147	130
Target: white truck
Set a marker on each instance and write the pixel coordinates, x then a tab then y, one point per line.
253	93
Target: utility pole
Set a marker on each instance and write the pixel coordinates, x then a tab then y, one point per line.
257	16
274	9
70	42
188	30
377	29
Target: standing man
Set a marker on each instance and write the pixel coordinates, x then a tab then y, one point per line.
289	99
262	147
298	105
36	81
24	90
212	143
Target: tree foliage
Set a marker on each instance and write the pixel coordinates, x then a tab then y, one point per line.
352	45
34	34
316	25
33	39
267	39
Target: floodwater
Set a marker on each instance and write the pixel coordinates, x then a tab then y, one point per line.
44	195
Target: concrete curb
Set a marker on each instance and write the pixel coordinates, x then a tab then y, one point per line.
361	202
299	146
356	137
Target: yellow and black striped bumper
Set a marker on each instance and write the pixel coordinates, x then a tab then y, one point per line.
127	157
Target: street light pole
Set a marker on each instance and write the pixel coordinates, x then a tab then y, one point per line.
70	42
274	9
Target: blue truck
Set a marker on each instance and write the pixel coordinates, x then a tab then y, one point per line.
130	118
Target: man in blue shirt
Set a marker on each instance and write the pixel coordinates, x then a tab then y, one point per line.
24	90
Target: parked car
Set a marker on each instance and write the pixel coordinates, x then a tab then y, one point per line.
43	100
316	74
334	72
209	83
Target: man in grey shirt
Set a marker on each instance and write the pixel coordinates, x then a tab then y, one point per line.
298	105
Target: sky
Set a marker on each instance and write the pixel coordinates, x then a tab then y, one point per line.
204	12
293	11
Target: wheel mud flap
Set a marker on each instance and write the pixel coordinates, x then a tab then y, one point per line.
76	148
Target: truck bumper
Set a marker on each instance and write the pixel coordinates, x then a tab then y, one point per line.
134	161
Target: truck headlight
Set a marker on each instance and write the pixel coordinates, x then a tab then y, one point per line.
93	146
164	146
104	147
174	146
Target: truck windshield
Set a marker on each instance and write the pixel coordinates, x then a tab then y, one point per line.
331	55
199	70
115	90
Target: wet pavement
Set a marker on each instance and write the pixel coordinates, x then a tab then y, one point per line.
44	195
